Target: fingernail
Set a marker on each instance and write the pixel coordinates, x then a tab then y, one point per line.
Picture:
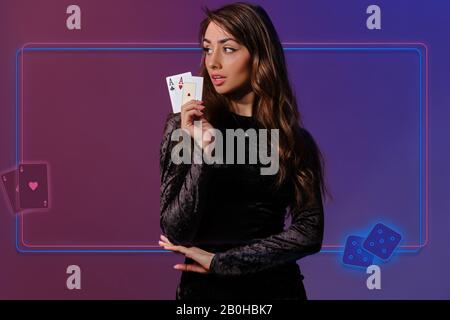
175	267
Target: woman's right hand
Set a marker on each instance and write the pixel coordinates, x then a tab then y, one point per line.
192	111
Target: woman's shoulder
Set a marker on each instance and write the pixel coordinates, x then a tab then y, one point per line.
304	134
173	121
307	142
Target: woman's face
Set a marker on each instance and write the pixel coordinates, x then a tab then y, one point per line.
227	61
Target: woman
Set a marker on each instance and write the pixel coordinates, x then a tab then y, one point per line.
228	219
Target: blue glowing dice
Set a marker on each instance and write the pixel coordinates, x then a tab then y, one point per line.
354	253
382	241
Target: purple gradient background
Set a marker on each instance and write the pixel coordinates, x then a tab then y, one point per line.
370	142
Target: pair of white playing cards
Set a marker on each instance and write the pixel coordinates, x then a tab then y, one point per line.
182	88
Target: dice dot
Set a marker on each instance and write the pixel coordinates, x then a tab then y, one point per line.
358	251
381	240
350	257
354	243
392	238
380	231
371	243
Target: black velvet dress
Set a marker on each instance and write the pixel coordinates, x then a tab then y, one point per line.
234	211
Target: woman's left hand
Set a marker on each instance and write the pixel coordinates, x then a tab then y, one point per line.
202	259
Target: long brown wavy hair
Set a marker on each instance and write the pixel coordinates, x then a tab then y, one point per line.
275	105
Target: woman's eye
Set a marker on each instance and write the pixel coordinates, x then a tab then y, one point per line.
206	50
226	49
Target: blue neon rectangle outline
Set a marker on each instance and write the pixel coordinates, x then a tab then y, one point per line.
18	51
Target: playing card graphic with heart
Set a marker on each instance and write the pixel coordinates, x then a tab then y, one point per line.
33	186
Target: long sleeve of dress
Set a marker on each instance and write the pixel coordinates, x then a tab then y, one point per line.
182	187
303	237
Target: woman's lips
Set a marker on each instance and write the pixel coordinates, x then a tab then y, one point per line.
218	81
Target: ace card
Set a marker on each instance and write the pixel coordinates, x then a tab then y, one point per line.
188	92
11	185
175	86
33	186
198	88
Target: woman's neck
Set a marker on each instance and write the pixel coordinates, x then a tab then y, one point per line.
242	104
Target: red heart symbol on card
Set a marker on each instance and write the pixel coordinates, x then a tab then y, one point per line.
33	185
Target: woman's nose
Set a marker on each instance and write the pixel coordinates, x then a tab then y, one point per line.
214	60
